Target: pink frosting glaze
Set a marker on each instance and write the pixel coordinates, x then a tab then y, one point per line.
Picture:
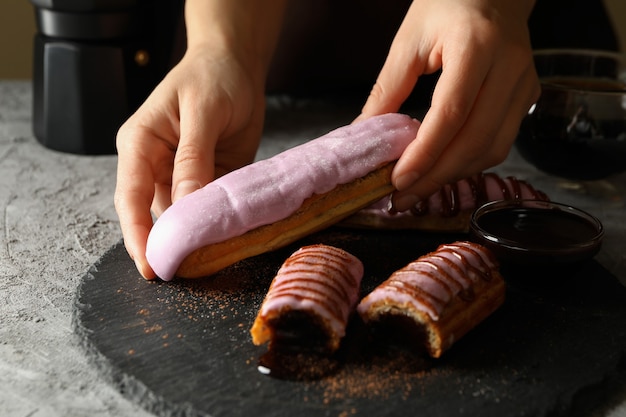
270	190
430	282
319	279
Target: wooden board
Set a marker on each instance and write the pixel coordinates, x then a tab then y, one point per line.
183	348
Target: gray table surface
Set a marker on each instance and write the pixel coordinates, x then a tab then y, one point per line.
57	218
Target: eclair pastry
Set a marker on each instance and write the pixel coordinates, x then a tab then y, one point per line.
271	203
310	299
449	209
441	295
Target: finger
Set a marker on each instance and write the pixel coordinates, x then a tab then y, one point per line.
398	76
194	163
495	151
458	162
453	98
394	84
133	196
491	128
162	198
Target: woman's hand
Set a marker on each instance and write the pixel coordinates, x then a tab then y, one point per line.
487	84
203	120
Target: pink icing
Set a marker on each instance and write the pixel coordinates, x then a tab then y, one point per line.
270	190
430	282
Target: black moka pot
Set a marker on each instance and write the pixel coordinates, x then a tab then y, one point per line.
94	62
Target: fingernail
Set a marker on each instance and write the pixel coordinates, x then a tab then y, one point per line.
405	202
404	181
144	270
185	187
139	267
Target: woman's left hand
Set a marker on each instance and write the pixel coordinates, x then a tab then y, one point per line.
487	84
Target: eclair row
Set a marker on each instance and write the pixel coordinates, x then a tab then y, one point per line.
443	295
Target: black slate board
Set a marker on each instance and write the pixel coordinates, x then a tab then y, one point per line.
183	348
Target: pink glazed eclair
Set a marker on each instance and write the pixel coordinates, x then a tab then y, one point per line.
450	208
274	202
310	299
439	297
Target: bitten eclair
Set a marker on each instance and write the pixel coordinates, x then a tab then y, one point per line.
310	300
441	295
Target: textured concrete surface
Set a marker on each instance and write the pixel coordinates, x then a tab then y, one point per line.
57	218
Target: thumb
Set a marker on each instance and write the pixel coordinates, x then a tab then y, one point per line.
394	84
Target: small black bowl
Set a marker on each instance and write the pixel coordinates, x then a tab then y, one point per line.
533	232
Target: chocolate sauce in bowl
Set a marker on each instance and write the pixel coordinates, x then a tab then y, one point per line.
535	227
537	231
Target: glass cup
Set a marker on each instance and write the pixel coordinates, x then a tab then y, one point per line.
577	128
